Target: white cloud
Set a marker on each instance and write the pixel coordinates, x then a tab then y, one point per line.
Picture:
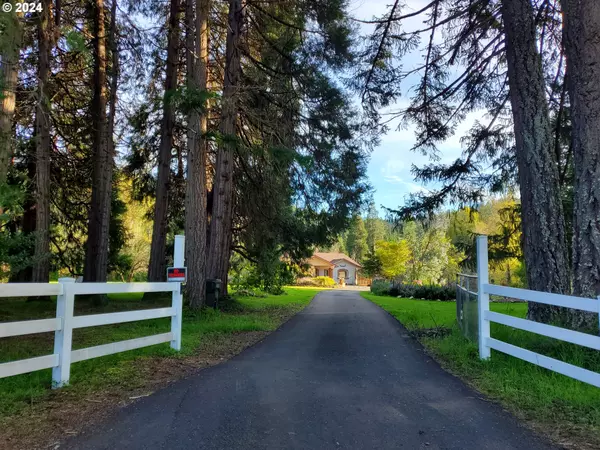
393	167
397	172
409	185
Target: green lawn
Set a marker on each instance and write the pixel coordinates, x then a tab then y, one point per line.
416	314
564	405
244	314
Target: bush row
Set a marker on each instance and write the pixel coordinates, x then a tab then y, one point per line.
427	292
381	287
316	281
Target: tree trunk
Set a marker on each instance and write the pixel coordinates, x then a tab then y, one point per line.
222	213
96	256
9	69
114	80
43	145
157	267
582	47
542	214
28	226
195	205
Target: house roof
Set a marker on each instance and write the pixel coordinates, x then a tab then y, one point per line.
325	261
334	256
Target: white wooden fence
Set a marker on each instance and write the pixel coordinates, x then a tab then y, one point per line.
486	342
65	322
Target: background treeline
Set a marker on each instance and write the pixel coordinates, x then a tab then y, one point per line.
124	123
434	250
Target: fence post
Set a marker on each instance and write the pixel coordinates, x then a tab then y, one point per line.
483	298
458	301
177	303
63	338
598	299
179	251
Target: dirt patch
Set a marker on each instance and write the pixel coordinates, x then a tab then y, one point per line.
68	411
566	436
437	332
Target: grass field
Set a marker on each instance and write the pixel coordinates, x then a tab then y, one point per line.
565	406
245	314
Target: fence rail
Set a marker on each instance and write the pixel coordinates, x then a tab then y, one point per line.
121	346
65	321
486	342
465	290
363	281
30	289
29	327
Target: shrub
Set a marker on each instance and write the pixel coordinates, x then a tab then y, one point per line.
140	277
269	274
316	281
324	281
275	289
305	281
249	293
380	287
426	292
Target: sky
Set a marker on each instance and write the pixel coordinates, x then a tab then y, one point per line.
389	169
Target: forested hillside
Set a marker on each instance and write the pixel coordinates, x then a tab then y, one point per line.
433	251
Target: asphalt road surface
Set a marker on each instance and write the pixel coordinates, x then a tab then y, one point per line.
342	374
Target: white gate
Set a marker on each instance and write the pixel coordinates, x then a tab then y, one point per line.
65	322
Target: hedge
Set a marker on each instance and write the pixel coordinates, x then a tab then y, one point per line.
422	292
316	281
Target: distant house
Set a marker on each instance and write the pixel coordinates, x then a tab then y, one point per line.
335	265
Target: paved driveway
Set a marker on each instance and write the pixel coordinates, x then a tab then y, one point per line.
352	288
342	374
